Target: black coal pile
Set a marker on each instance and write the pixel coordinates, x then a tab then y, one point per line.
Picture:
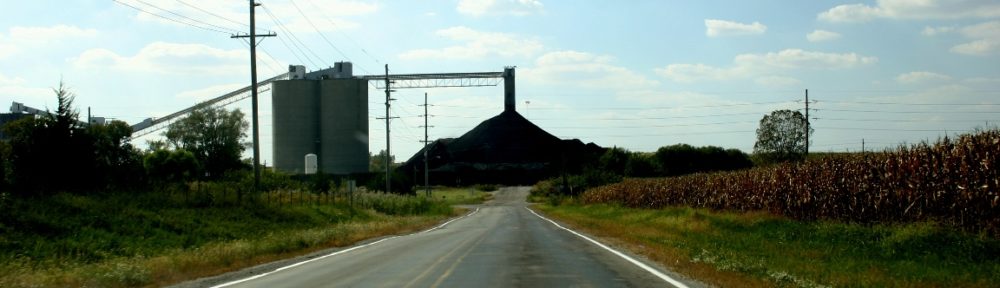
505	149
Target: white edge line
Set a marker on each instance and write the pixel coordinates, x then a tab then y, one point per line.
337	253
655	272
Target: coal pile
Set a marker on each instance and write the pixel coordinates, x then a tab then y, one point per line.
505	149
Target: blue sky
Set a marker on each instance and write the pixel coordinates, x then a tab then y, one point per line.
633	74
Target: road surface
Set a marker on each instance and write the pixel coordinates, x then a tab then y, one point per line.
500	244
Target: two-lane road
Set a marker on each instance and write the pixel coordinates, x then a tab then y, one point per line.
501	244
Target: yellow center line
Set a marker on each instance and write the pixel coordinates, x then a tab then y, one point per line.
436	263
459	260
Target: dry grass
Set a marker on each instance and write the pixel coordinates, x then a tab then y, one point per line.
211	259
953	182
758	249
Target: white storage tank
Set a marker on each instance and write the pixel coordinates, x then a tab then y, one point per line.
311	164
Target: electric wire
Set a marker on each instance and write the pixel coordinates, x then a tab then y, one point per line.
295	40
212	13
323	36
171	19
355	42
186	17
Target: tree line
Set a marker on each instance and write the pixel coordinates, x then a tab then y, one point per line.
781	137
57	153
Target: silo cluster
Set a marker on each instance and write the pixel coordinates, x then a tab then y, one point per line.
323	113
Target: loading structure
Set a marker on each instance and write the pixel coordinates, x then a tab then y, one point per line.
325	112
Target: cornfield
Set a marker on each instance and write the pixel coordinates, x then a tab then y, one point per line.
953	182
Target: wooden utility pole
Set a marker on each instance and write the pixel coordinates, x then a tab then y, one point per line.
253	91
807	122
427	142
388	153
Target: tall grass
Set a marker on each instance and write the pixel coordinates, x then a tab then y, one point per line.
757	249
954	182
130	239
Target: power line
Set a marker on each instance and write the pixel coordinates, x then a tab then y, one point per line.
185	17
324	36
912	104
909	112
655	118
171	19
211	13
892	129
355	42
295	39
902	120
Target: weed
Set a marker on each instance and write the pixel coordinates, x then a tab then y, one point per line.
758	246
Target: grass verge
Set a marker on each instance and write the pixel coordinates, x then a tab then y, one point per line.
128	240
459	195
762	250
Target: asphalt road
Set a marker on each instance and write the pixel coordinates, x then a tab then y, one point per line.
501	244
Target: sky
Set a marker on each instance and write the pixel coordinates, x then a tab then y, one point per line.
632	74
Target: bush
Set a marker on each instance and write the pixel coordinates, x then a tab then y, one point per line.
681	159
486	187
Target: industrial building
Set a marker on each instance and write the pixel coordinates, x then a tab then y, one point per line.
324	113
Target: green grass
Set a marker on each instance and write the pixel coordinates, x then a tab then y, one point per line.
122	239
458	195
758	249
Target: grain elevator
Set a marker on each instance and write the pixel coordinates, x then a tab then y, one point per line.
324	113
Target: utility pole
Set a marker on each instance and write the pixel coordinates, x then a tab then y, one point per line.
807	122
427	142
253	91
388	153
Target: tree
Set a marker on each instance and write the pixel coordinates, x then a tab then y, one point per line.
51	152
376	163
680	159
116	161
164	166
782	137
213	135
615	160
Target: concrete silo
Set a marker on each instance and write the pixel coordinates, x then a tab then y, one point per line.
323	113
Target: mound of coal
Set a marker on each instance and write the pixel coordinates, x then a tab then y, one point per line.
505	149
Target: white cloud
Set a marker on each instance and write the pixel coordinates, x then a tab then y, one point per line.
921	77
850	13
777	81
754	65
801	59
978	47
990	30
14	87
500	7
477	45
687	73
822	35
584	69
327	15
934	31
908	9
172	58
986	39
5	81
656	97
50	34
21	38
717	28
210	92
